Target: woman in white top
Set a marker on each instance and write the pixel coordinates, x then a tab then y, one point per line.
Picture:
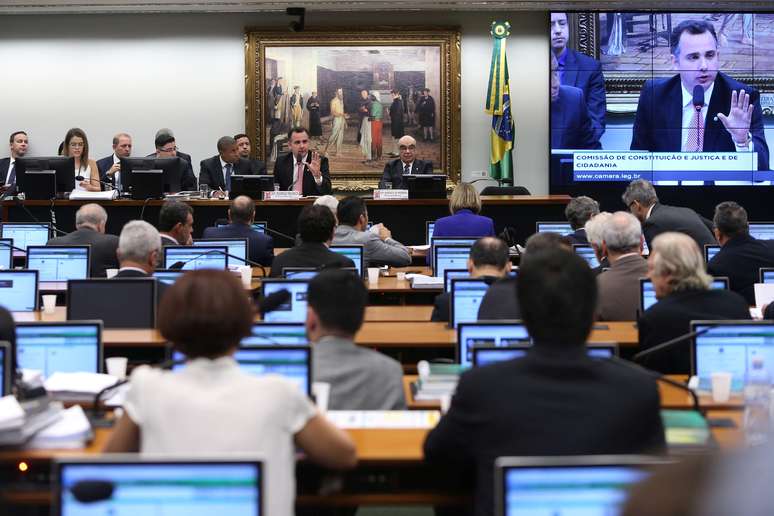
77	145
213	408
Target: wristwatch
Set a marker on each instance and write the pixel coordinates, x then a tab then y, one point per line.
745	143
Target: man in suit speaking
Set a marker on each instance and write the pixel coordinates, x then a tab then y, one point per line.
396	170
726	120
301	170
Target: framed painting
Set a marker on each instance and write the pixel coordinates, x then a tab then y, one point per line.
356	91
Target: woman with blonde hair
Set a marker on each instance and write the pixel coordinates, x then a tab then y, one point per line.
465	221
76	145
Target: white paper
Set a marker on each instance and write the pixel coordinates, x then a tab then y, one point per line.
11	413
87	383
72	430
764	293
393	419
425	247
85	195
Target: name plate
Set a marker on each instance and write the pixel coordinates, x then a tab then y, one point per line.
391	195
281	196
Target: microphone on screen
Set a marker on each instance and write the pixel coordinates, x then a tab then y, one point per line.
698	97
90	491
103	183
273	301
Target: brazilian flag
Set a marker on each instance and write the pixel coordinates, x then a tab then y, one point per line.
498	104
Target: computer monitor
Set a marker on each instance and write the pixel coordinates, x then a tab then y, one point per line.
59	347
252	186
277	334
451	274
95	299
44	178
192	258
465	299
294	310
151	177
426	186
587	253
6	253
730	346
449	257
561	228
488	334
589	485
710	251
19	290
762	230
168	276
6	372
354	253
236	246
766	275
491	355
58	263
305	273
469	241
259	226
429	230
25	234
648	293
143	484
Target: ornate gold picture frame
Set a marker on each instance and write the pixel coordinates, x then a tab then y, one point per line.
306	78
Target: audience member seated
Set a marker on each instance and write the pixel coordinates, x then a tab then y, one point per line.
19	144
395	171
217	170
315	226
176	223
166	147
76	145
556	400
324	200
490	262
90	221
110	166
676	268
139	250
214	408
593	229
465	221
164	134
579	211
378	246
740	255
241	215
656	218
360	378
257	166
619	286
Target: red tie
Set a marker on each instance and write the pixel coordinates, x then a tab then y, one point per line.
695	140
298	186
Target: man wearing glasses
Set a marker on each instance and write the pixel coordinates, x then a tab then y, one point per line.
407	164
167	148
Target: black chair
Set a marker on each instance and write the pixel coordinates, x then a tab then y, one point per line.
505	190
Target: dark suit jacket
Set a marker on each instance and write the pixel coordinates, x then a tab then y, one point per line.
657	126
571	126
393	172
283	174
671	317
665	218
578	237
211	172
585	73
551	402
619	289
103	249
168	240
739	259
500	301
161	287
187	177
5	164
257	167
260	246
309	255
103	165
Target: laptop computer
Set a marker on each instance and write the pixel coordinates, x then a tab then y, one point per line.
193	258
730	346
307	273
6	374
648	293
766	275
6	253
488	334
168	276
491	355
277	334
19	290
59	347
59	263
596	484
25	234
235	246
139	484
257	225
710	251
451	256
429	230
294	310
762	230
435	241
465	299
95	299
355	253
562	228
586	252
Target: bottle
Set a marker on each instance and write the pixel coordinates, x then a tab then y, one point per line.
757	394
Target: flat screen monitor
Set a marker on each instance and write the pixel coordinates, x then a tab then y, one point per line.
294	310
19	290
710	251
762	230
354	253
426	186
6	372
59	262
259	226
62	347
429	230
560	228
435	241
95	299
252	186
25	234
730	346
192	258
277	334
766	275
168	276
235	246
140	484
305	273
492	355
450	274
6	253
648	293
151	177
589	485
465	299
44	178
587	253
488	334
449	257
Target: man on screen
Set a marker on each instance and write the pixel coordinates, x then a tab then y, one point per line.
571	126
579	70
728	121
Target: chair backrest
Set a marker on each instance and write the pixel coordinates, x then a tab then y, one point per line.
505	190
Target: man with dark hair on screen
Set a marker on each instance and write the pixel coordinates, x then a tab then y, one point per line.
571	126
579	70
731	120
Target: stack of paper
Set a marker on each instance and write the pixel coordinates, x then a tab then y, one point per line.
16	429
424	281
85	195
71	431
11	413
77	386
438	381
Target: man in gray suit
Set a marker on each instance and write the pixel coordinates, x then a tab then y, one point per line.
619	286
360	378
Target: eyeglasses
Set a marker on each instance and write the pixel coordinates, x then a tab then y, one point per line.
76	144
410	147
173	149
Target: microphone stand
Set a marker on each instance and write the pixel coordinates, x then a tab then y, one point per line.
180	265
670	343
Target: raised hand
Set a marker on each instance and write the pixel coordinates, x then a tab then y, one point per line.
737	122
314	165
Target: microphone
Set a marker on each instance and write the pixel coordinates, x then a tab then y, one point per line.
273	301
698	97
90	491
283	235
109	186
670	343
181	264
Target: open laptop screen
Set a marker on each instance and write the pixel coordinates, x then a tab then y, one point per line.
762	230
194	258
429	230
234	246
294	310
710	251
168	276
449	257
648	293
489	334
25	234
561	228
59	347
59	263
6	253
587	253
486	356
275	333
19	290
465	300
353	252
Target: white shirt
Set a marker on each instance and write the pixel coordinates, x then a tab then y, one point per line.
10	168
213	408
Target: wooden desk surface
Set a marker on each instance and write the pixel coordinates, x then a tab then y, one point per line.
406	313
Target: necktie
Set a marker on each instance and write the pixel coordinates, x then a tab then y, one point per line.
695	140
11	174
298	186
228	176
406	169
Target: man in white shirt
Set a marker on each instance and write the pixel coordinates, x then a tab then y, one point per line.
19	144
110	166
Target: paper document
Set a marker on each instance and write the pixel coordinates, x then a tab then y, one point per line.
86	383
11	413
84	195
72	430
764	293
396	419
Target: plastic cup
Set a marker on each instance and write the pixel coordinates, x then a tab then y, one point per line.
116	366
247	275
49	303
111	272
721	386
373	275
321	392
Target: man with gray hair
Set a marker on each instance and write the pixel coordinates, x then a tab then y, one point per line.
594	227
217	170
90	222
619	286
676	268
641	200
139	250
110	166
579	211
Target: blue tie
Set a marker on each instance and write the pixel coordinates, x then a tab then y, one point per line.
12	174
228	176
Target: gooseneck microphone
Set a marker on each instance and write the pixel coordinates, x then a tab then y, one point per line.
181	264
283	235
698	97
671	342
103	183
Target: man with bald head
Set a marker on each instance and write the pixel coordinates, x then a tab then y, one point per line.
396	170
241	214
90	222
